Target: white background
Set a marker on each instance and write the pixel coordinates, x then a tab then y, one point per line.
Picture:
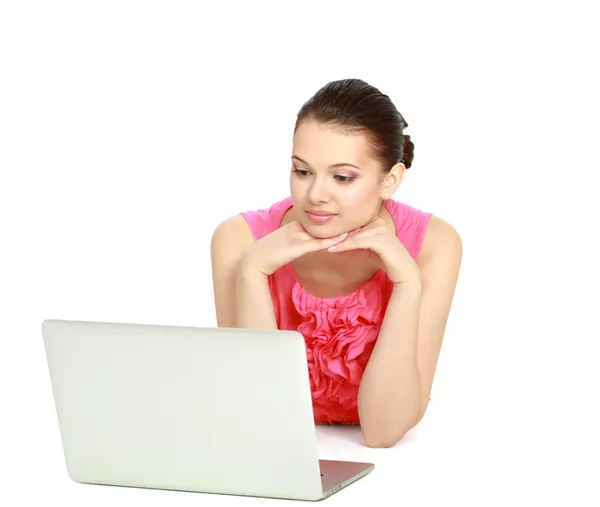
129	130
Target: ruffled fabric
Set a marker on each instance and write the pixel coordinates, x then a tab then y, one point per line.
340	334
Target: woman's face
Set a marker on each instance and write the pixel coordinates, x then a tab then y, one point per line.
333	172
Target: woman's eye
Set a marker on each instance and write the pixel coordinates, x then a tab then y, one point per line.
340	177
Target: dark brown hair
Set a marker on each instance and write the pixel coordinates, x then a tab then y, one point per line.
356	106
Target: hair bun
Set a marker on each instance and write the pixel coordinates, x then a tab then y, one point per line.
408	151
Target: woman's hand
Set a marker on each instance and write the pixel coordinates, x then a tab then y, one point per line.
376	237
284	245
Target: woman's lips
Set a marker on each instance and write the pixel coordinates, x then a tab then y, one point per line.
319	219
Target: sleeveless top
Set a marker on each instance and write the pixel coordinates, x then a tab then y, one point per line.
340	332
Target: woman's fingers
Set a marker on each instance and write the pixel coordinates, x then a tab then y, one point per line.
326	242
362	239
323	243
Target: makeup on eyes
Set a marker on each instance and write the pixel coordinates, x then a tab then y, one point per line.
341	178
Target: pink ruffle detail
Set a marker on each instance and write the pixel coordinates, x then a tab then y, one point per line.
340	334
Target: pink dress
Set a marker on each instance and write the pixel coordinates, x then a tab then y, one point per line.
340	332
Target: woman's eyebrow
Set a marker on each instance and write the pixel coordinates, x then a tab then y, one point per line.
332	166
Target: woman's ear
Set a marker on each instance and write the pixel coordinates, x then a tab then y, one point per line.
393	180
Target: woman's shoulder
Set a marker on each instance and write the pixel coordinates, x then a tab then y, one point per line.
423	233
440	240
405	214
411	224
252	224
264	220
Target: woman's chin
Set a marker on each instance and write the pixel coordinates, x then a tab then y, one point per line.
322	232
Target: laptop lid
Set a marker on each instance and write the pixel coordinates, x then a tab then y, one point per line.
212	410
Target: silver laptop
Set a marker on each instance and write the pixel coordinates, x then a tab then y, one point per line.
209	410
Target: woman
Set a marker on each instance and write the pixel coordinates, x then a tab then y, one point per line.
366	279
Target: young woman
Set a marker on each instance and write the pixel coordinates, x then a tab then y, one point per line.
366	279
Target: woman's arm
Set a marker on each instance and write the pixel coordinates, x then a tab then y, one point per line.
397	382
253	303
242	296
389	396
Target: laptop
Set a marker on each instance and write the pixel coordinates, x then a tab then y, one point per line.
198	409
